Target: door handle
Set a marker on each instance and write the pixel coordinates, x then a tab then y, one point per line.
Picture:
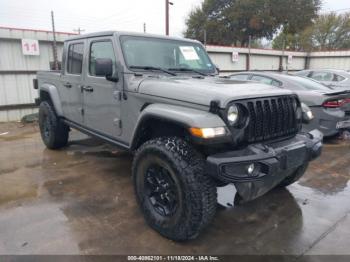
68	85
88	89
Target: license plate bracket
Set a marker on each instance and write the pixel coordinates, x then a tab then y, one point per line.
293	157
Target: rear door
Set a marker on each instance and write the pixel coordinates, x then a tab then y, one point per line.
71	79
324	77
340	81
102	98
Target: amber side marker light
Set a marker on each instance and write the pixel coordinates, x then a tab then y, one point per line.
209	132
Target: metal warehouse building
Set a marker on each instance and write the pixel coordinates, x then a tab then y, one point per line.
22	53
232	59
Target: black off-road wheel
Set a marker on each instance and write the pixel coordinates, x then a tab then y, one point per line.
295	176
175	195
54	132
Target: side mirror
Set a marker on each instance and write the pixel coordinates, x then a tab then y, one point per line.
104	67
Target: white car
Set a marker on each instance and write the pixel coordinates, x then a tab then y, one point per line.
331	77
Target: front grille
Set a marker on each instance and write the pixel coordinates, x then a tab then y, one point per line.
271	118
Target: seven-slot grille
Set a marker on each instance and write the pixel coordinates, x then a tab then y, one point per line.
271	118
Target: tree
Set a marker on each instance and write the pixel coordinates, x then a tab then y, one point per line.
233	21
331	31
328	32
294	42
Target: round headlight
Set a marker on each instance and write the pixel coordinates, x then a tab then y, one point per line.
307	113
232	114
299	113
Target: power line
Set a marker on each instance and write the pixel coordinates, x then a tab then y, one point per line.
123	18
31	10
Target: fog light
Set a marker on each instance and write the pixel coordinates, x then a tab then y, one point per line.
250	169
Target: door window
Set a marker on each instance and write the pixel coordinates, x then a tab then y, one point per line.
322	76
338	78
240	77
75	58
303	73
266	80
98	50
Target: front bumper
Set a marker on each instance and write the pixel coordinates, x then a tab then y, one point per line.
272	163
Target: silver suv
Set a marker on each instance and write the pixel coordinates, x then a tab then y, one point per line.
190	130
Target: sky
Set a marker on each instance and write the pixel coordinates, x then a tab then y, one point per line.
123	15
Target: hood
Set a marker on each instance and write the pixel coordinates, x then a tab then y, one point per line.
202	91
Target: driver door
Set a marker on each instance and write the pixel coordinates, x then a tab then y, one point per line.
102	98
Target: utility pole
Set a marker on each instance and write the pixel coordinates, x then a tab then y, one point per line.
79	30
249	52
205	38
167	4
144	27
283	51
55	60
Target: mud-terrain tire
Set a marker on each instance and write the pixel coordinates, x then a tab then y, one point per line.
295	176
172	167
54	132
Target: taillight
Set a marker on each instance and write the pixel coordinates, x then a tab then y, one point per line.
336	103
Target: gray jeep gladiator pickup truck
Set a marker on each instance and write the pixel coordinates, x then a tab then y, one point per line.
190	131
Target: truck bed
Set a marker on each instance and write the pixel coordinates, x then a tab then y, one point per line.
49	77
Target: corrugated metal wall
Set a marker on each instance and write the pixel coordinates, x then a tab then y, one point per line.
17	70
260	59
271	60
335	60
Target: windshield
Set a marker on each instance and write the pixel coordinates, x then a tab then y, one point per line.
167	54
308	84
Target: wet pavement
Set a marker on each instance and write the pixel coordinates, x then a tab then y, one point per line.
79	200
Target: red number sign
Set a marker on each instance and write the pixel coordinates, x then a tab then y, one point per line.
30	47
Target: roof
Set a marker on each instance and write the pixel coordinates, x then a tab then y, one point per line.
36	30
258	73
120	33
12	33
338	71
276	76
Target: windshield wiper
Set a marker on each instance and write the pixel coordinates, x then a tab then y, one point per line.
153	68
184	69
